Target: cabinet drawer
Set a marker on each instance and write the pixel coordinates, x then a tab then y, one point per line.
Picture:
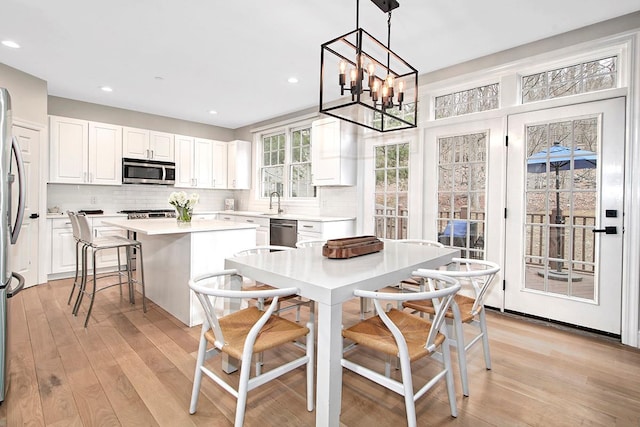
224	217
63	222
262	222
312	226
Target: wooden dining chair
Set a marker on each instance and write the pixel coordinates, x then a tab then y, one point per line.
400	334
243	333
475	276
408	284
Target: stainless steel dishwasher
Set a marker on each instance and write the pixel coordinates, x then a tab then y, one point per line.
283	232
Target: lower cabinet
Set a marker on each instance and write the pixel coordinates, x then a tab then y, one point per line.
262	232
63	246
325	230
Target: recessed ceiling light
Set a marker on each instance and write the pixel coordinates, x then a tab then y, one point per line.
292	80
11	44
159	78
106	89
213	112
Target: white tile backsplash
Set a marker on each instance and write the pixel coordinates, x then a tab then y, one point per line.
116	198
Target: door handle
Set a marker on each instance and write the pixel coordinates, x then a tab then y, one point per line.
34	216
606	230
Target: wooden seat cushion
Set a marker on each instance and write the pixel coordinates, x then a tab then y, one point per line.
262	287
464	303
236	326
373	333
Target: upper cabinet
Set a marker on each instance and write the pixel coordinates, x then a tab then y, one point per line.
333	153
148	145
239	165
184	161
219	164
200	163
83	152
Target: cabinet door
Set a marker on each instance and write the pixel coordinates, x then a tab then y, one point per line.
135	143
63	250
161	146
333	153
184	161
219	164
105	154
69	150
239	165
202	163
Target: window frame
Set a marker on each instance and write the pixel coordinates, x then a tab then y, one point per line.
288	130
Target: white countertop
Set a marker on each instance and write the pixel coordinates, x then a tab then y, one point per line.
63	215
299	217
156	226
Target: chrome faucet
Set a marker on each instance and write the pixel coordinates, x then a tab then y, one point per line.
271	201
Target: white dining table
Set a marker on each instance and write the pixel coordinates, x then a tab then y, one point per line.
331	282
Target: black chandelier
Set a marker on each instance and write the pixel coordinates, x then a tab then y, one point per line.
376	88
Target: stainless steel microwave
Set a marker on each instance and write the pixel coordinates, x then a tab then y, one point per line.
137	171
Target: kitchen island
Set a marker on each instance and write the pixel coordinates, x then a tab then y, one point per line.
174	253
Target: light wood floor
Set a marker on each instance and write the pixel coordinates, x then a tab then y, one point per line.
130	369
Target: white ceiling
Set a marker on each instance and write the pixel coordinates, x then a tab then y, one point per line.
183	58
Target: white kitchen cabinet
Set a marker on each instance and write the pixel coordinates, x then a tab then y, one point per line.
239	165
325	230
219	164
262	232
203	163
147	145
200	163
63	246
83	152
333	153
184	161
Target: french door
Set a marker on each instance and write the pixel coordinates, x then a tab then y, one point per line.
565	175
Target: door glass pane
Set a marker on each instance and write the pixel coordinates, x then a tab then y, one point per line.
392	184
461	192
560	207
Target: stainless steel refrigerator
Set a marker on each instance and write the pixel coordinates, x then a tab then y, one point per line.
10	226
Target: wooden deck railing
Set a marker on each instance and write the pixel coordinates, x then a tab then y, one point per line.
392	224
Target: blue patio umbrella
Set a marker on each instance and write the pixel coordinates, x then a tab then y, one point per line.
558	158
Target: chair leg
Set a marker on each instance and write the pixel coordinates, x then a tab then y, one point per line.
119	272
462	356
93	294
243	388
407	383
485	338
83	281
197	376
75	279
451	392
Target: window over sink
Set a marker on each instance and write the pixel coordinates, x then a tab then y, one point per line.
285	163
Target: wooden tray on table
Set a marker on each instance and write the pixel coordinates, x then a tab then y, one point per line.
350	247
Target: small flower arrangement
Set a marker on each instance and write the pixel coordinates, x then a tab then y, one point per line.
184	204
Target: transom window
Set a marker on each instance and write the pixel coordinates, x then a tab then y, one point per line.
462	163
286	164
468	101
580	78
391	190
